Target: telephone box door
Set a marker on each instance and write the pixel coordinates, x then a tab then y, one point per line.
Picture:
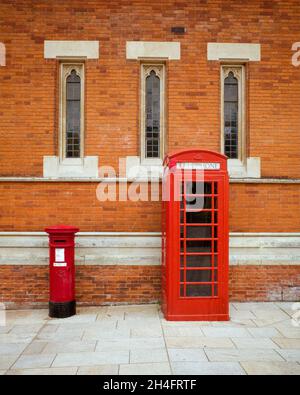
197	247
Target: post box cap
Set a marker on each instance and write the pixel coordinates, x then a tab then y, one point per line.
61	229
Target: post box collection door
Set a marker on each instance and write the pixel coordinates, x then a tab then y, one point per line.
195	237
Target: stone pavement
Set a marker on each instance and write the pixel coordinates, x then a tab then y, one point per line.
259	339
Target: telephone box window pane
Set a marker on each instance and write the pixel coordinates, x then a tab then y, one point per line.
193	187
198	290
231	111
198	202
197	232
73	105
199	260
198	217
198	276
182	290
198	246
152	121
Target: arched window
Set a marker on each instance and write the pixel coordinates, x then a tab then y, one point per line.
73	98
152	127
72	117
152	112
233	113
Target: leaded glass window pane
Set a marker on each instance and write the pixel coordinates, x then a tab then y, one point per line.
73	116
231	111
152	116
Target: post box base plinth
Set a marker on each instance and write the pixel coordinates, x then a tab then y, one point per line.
62	309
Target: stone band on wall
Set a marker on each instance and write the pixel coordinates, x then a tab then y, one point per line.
144	249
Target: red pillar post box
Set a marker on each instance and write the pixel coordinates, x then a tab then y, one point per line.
195	236
62	302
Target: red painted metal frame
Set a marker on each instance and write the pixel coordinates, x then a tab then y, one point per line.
175	305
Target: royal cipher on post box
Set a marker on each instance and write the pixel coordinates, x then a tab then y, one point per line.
62	302
195	236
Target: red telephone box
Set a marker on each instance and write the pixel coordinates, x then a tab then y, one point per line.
62	302
195	236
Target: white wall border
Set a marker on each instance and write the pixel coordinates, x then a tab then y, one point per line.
152	50
86	167
144	249
65	49
234	51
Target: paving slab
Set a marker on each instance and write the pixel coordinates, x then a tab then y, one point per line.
260	323
6	361
187	355
183	331
287	343
225	332
242	355
234	323
290	355
289	331
5	329
145	355
260	343
15	338
30	329
36	347
34	361
207	368
198	342
146	332
145	369
95	325
137	324
98	334
12	348
242	315
49	329
271	368
188	324
78	318
264	332
43	372
75	335
69	347
2	372
98	370
26	316
254	306
272	314
129	344
91	358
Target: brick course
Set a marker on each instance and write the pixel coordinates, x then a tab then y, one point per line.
32	206
98	285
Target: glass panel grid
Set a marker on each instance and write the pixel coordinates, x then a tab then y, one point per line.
152	116
231	112
199	249
73	115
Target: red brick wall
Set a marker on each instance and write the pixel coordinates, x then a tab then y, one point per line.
28	93
96	285
32	206
264	283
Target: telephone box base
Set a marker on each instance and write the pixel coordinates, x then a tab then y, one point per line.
201	317
62	310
